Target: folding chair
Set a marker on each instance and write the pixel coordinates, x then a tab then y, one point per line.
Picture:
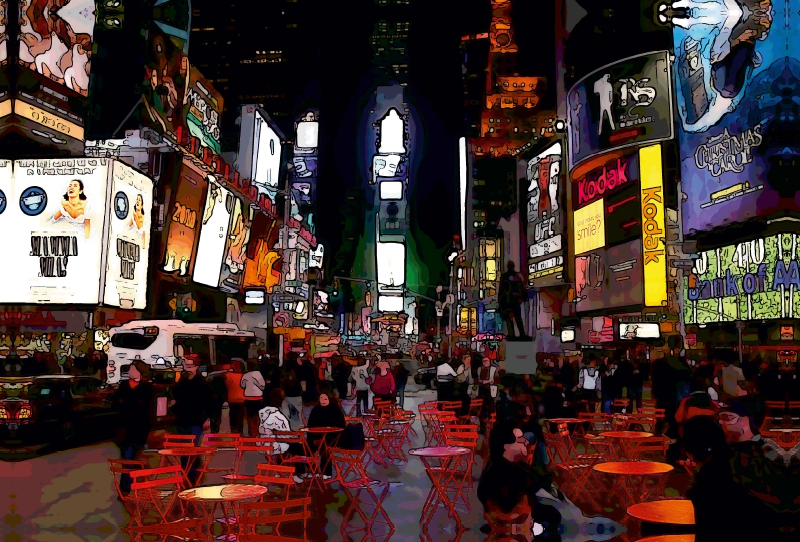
274	514
179	441
620	405
793	411
156	490
118	467
380	439
619	422
596	422
275	477
577	471
261	445
464	436
428	415
220	442
353	479
636	449
648	403
655	414
476	407
306	457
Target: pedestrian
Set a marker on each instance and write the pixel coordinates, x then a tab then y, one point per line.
134	402
510	298
270	372
589	382
192	400
636	386
341	375
219	394
327	413
308	383
611	389
233	383
361	379
445	380
487	389
383	384
292	406
464	383
401	374
253	385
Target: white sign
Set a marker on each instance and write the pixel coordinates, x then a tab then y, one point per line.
213	234
639	330
128	238
386	166
51	222
546	247
266	154
567	335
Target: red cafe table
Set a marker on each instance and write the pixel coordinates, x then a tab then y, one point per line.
677	512
220	496
323	446
619	437
193	455
442	479
633	477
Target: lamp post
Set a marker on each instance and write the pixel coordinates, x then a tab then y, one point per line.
451	258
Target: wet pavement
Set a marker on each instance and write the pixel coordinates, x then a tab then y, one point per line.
70	496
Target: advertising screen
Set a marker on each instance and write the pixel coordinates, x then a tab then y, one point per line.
754	280
266	154
391	264
128	238
391	190
620	105
166	84
639	330
52	217
307	135
590	229
544	209
653	229
204	109
389	165
56	40
214	226
612	277
236	248
184	223
737	79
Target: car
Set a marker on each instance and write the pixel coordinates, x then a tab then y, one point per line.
54	409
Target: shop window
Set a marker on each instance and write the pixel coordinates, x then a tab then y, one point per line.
132	341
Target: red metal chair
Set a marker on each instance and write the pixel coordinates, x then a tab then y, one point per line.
120	467
276	477
260	445
220	442
274	514
155	494
178	441
306	457
641	449
353	479
464	436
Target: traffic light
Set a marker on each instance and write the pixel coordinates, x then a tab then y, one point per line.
183	305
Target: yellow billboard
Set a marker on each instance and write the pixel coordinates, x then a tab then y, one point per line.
589	228
653	229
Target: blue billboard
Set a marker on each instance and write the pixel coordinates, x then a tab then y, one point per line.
737	85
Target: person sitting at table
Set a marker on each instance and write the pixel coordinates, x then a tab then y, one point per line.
326	414
508	486
271	419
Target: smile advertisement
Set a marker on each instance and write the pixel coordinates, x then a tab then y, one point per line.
623	104
590	230
128	238
737	78
52	215
653	229
213	235
754	280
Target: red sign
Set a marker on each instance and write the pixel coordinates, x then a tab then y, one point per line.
691	339
600	182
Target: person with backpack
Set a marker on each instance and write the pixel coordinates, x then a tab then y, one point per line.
589	381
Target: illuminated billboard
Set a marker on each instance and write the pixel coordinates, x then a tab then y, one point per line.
56	40
233	265
737	86
214	226
624	104
391	264
639	330
609	278
128	238
653	228
204	111
590	230
544	212
754	280
391	190
266	156
166	84
53	215
387	166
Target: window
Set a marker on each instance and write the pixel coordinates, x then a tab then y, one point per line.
226	348
132	340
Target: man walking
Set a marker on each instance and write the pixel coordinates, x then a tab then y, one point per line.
512	293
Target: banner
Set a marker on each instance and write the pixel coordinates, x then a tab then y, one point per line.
737	76
52	218
754	280
204	107
653	229
624	104
590	229
184	223
128	238
166	84
233	265
215	224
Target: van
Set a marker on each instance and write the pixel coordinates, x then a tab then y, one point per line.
167	343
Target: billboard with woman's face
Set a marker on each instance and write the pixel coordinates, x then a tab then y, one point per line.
52	222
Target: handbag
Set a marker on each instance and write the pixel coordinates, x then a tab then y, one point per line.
493	390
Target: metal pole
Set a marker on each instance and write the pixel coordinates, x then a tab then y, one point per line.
438	329
450	316
739	329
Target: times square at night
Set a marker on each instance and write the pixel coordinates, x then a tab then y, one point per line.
476	270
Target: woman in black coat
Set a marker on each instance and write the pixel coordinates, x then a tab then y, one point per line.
135	403
327	413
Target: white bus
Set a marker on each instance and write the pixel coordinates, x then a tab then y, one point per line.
166	343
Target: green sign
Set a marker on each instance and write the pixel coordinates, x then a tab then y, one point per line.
754	280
